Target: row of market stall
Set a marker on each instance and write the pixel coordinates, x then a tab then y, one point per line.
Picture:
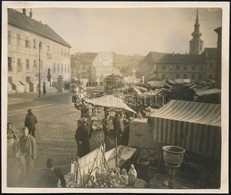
194	126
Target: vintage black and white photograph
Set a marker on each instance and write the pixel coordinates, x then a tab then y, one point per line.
115	97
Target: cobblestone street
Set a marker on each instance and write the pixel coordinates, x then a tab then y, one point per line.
55	132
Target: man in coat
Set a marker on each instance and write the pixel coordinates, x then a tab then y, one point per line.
82	137
106	127
52	176
27	153
118	127
30	122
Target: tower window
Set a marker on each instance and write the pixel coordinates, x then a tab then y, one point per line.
185	76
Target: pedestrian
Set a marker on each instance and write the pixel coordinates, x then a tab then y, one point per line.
13	165
82	137
132	175
118	127
89	122
125	134
12	132
30	122
106	127
44	89
52	176
27	153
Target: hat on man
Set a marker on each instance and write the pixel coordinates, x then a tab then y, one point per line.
29	110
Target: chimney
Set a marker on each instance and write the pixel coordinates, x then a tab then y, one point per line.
24	11
30	12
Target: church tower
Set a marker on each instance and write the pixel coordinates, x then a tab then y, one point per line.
196	44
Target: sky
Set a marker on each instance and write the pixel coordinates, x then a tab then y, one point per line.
130	31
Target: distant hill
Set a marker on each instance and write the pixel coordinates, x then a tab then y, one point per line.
126	62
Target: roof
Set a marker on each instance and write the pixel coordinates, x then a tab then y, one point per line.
25	22
210	52
182	59
194	112
113	76
84	58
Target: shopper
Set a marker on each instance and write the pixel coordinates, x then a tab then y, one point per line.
27	152
30	122
82	137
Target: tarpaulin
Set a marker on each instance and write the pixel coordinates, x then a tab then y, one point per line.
192	125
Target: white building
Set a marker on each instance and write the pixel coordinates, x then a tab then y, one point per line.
30	44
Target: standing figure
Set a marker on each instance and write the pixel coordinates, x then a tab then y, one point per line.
27	152
132	175
118	127
106	127
12	132
52	176
30	122
44	89
82	137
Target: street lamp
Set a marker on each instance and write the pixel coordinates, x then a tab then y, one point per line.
39	70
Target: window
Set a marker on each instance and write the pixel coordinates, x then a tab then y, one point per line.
27	65
185	68
177	67
177	76
210	76
62	68
10	64
54	68
163	76
58	67
163	67
193	76
18	39
193	68
34	43
35	66
201	67
185	76
27	43
9	37
19	65
48	48
199	76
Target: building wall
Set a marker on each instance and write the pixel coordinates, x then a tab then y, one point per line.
23	56
181	71
103	64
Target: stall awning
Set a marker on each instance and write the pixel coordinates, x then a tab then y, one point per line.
208	92
109	101
193	125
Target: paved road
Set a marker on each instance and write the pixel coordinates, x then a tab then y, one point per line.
57	121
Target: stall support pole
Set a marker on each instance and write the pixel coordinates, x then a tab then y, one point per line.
116	151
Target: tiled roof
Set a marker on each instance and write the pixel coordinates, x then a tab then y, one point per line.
182	59
210	52
84	58
25	22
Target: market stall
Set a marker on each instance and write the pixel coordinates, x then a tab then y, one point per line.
192	125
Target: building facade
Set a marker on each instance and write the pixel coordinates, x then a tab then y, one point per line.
198	65
34	50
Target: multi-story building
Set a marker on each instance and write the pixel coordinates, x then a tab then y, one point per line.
34	50
199	64
93	67
81	66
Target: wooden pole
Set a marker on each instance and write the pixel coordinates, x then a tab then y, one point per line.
116	151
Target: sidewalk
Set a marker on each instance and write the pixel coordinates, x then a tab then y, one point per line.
26	97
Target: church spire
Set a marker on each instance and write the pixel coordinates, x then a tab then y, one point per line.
196	44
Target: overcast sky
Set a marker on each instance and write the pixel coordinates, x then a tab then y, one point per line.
130	30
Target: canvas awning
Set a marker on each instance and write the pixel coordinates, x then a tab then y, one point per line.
208	92
194	126
109	101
